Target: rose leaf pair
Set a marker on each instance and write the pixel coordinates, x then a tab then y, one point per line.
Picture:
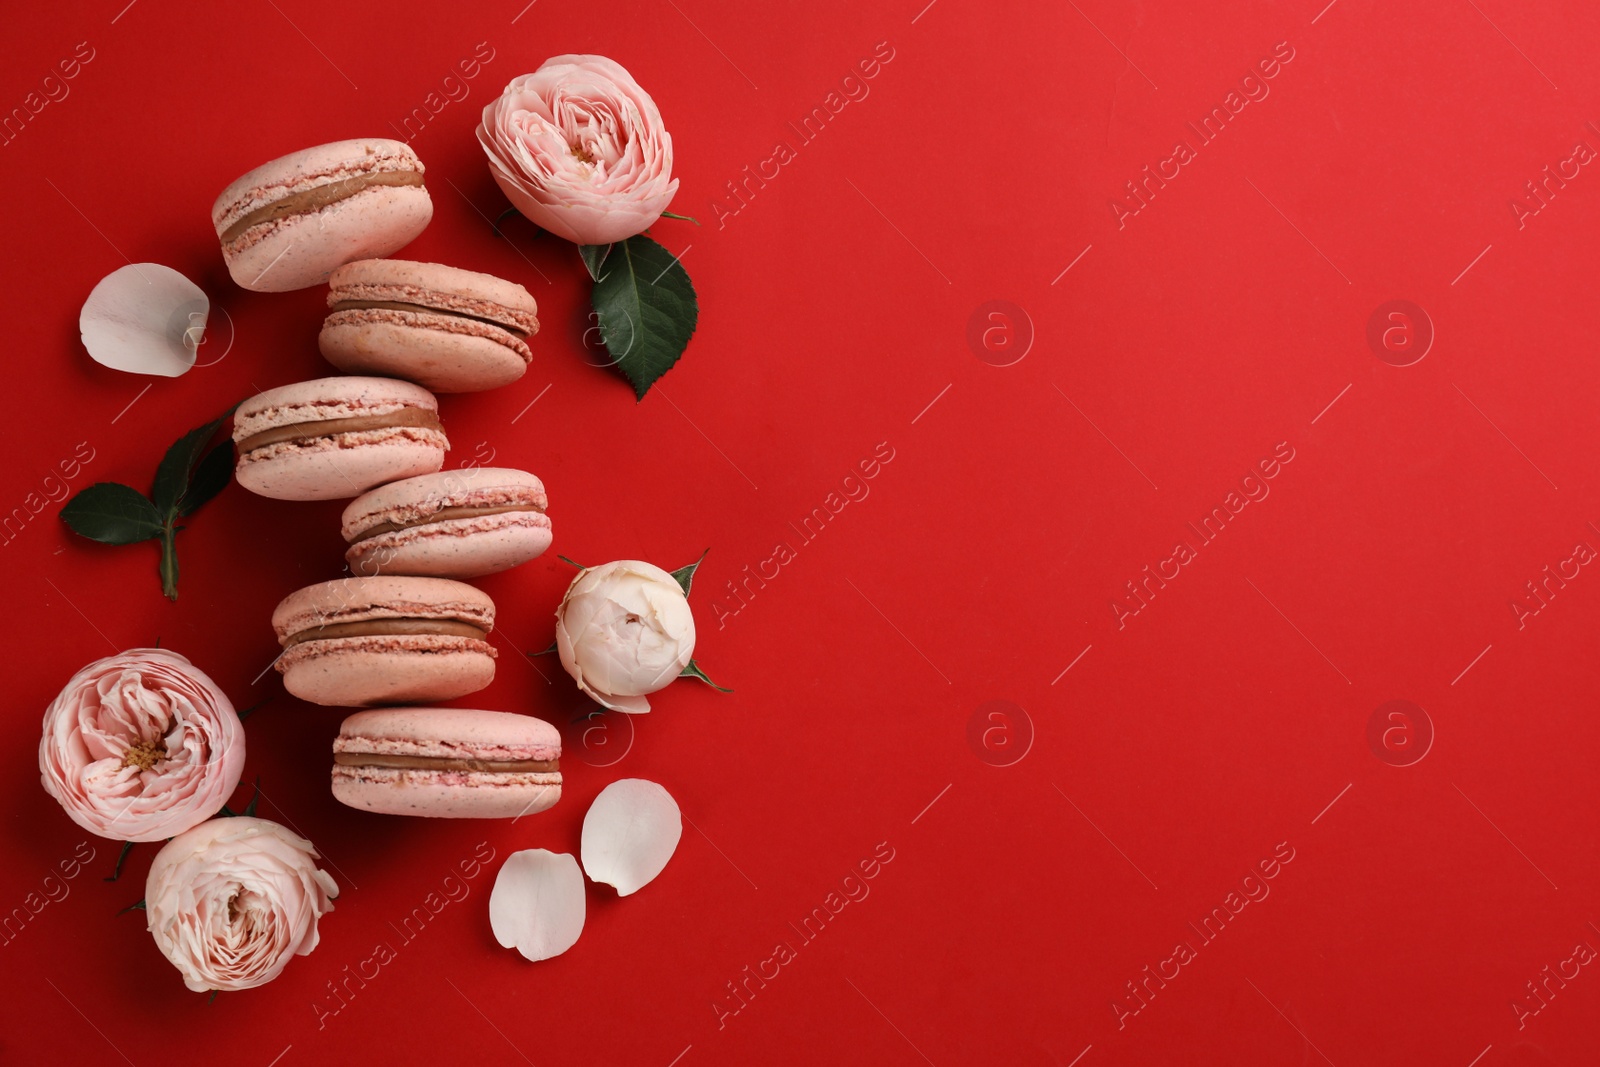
188	476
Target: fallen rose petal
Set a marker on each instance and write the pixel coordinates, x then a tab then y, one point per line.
631	831
145	319
537	905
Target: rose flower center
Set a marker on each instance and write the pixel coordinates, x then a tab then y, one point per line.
145	755
582	154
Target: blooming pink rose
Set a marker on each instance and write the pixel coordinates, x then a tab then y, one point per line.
230	901
579	149
141	746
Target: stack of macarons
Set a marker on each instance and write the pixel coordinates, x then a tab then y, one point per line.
329	214
402	629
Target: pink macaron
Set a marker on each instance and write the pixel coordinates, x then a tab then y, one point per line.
333	438
454	524
287	224
357	642
454	331
449	763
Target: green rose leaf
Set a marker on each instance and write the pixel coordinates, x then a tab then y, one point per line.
112	513
247	712
647	310
187	477
211	476
693	671
174	475
593	257
685	575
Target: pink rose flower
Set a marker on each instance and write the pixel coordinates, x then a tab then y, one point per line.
230	901
141	746
578	147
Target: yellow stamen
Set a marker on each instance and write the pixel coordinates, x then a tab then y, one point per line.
145	755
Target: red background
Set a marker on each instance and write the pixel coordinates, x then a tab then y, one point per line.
1178	751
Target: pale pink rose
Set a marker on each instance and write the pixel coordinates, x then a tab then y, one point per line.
230	901
141	746
578	147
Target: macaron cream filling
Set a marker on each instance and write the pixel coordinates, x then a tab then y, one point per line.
318	197
359	299
416	417
440	763
426	309
401	627
443	515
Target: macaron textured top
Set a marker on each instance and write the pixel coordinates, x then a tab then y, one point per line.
382	606
423	499
456	734
377	403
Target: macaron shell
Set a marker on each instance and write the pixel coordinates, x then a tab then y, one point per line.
454	732
448	733
443	795
416	498
360	674
348	467
326	398
306	168
303	250
435	277
455	548
444	362
366	599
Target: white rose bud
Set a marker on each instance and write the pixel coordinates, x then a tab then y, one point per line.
624	630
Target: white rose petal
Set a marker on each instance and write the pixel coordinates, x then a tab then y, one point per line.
145	319
537	905
631	831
